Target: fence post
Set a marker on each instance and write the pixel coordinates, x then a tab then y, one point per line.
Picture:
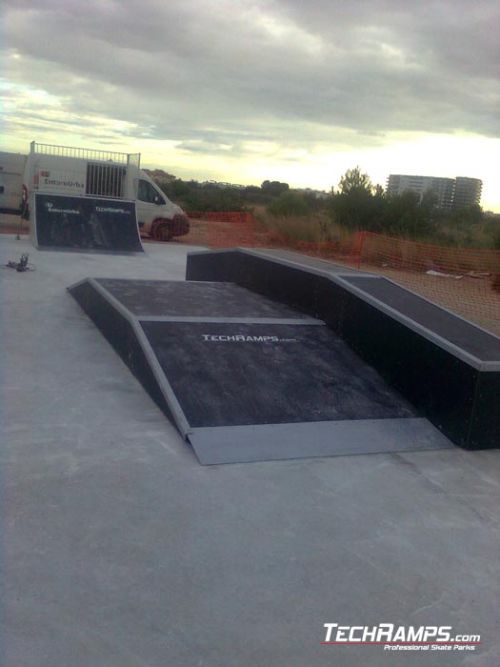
362	236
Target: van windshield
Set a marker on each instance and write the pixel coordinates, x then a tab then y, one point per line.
147	193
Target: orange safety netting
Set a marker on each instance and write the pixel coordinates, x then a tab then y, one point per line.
406	254
221	216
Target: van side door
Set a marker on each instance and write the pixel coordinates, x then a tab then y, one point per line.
148	202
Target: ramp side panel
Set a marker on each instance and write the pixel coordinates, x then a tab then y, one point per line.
244	444
307	291
441	385
85	224
120	333
485	423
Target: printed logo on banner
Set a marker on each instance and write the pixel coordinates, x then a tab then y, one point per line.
54	209
111	209
68	182
394	637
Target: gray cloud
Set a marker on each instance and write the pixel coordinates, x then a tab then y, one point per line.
211	74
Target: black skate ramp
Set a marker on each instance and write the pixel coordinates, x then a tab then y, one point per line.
85	224
245	378
447	367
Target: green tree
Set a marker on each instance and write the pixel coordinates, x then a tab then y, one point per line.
408	215
355	182
274	188
289	204
470	215
354	206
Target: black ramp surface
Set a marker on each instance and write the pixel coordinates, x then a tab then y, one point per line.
456	330
86	223
205	299
289	256
234	374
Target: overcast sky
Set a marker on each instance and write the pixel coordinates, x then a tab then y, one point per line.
244	91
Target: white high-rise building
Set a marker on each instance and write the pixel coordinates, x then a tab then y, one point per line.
467	192
443	188
450	193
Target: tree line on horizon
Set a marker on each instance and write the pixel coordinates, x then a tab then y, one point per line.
355	204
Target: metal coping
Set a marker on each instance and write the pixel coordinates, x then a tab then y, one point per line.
231	320
271	442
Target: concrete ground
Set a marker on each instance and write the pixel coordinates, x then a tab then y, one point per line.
120	550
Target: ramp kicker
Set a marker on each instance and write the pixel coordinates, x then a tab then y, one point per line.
246	378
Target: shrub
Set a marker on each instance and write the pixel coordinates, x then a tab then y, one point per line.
289	204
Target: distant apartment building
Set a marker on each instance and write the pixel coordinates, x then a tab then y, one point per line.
467	192
450	192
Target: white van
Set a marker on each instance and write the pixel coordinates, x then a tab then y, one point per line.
64	170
